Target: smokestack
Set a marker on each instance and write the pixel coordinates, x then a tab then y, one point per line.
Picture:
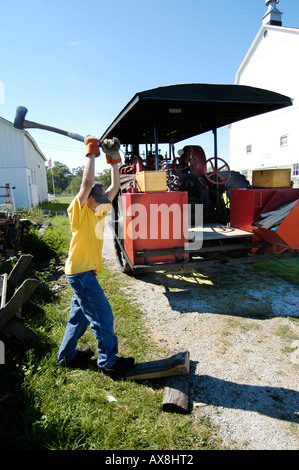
273	15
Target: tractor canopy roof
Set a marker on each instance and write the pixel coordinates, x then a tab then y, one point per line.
177	112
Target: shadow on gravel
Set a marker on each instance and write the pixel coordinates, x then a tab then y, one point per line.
278	403
237	290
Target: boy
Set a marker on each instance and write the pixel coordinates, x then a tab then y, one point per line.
89	305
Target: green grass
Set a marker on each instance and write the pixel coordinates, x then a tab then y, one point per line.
286	269
53	243
45	406
60	203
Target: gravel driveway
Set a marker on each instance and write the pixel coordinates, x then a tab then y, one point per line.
241	328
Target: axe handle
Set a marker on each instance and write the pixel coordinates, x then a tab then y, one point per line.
36	125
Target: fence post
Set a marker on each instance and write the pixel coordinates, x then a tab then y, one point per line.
9	199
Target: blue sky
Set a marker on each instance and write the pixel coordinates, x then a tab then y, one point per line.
76	64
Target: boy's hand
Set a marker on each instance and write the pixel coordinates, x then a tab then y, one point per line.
92	145
111	149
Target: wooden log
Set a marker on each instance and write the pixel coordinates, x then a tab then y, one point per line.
20	267
177	364
17	300
176	393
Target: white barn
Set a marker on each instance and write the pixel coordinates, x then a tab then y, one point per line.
270	140
22	164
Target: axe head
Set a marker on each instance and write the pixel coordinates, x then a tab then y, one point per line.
20	116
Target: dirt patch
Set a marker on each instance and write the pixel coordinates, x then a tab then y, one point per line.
241	328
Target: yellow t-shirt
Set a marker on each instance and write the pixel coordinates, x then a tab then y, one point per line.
85	252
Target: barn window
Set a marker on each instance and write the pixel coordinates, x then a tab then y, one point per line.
295	169
283	140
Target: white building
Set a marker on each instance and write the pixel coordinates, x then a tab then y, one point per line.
270	140
22	164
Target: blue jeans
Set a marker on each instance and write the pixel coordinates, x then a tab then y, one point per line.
89	306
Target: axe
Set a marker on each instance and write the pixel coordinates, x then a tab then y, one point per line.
21	123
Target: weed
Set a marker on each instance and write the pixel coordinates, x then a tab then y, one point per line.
6	264
285	332
249	326
35	214
226	333
226	344
288	350
233	323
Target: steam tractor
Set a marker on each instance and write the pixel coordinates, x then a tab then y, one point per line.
180	212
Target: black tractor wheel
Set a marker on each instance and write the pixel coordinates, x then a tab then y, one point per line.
122	262
236	180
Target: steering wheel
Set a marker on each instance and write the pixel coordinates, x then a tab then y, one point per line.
216	171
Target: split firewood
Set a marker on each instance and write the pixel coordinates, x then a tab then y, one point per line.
177	364
176	394
19	268
20	296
